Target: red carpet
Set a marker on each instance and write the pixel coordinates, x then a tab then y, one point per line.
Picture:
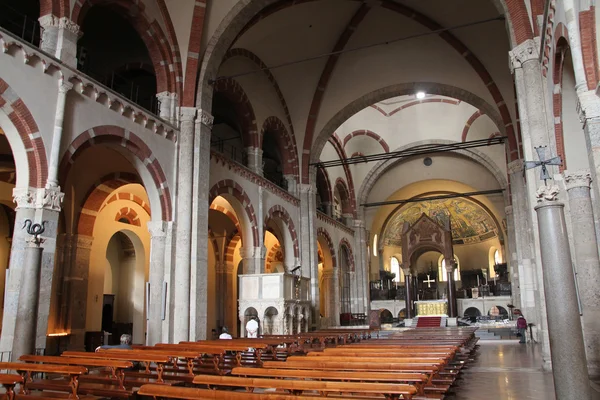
429	322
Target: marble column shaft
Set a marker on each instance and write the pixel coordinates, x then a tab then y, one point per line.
587	263
255	163
336	295
77	283
25	328
452	308
564	325
199	256
253	259
510	256
308	241
408	297
181	311
157	279
63	89
536	130
360	262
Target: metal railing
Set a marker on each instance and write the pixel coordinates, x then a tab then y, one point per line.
19	24
232	152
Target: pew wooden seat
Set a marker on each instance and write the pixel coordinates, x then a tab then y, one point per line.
9	381
178	392
27	369
390	391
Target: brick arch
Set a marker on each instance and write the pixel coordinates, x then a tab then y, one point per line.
231	188
96	196
339	148
20	116
119	137
370	134
150	32
236	95
286	142
129	197
342	188
228	214
589	51
327	189
213	242
58	8
344	243
130	215
561	45
229	253
271	256
468	124
278	212
325	235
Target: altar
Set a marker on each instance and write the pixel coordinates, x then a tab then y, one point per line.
431	307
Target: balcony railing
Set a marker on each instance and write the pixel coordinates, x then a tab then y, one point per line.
19	24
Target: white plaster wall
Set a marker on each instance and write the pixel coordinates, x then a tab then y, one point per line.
216	11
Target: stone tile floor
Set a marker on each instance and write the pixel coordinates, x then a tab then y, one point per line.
505	370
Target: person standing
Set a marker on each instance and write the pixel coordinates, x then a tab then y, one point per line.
522	328
252	328
225	334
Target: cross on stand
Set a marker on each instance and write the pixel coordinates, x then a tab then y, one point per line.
428	281
541	152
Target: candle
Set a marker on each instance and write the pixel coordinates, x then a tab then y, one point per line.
478	280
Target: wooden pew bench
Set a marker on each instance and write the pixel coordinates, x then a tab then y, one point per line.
390	391
26	370
9	381
177	392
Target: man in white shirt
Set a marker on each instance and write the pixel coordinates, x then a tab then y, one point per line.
252	328
225	334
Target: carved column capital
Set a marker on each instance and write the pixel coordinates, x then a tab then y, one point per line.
515	166
187	114
66	24
580	178
24	197
206	118
64	85
547	193
157	229
508	210
524	52
50	198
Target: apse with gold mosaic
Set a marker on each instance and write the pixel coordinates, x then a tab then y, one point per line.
470	222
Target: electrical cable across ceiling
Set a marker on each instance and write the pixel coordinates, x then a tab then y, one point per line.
368	46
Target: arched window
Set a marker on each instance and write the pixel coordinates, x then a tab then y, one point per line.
497	258
442	269
395	267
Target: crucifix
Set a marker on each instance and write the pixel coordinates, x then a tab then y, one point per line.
541	152
428	281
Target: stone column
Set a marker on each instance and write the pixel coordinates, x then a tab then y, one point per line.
536	130
511	257
157	293
25	327
564	325
408	297
292	184
59	38
336	295
589	114
450	267
77	282
253	259
63	89
255	163
165	109
199	257
308	241
181	310
587	263
360	263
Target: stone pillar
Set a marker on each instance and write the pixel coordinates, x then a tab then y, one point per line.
328	207
253	259
511	257
165	108
336	295
360	263
587	263
292	184
255	163
199	257
157	295
564	325
181	311
59	38
308	241
536	130
77	282
452	308
25	327
63	89
589	114
408	297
